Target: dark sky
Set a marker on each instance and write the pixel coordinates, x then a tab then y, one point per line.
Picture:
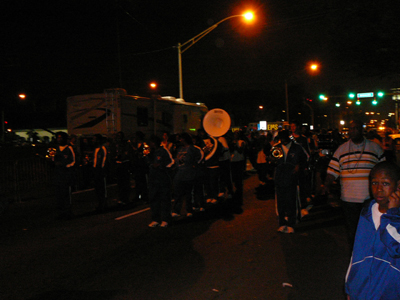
63	48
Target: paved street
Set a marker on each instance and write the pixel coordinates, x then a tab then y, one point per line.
217	254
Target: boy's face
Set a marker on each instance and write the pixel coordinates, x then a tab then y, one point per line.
382	186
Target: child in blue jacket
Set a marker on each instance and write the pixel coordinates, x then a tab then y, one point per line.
374	271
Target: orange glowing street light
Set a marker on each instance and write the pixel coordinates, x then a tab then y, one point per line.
22	96
153	85
248	16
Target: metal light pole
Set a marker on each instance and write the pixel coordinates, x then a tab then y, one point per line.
313	68
186	45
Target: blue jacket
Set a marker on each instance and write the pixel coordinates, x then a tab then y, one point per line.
374	271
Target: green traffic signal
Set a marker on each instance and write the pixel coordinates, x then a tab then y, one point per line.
380	94
358	102
374	102
322	97
352	95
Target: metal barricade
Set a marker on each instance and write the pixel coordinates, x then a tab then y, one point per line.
24	178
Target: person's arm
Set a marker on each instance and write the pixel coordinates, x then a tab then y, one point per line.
327	184
389	230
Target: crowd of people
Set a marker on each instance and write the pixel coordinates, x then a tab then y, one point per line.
190	173
204	169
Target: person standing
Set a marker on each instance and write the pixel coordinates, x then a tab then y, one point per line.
160	160
238	165
373	272
389	147
286	179
120	150
64	160
99	166
225	178
352	162
304	174
186	160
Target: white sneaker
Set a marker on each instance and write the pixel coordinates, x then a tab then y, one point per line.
304	212
282	229
164	224
290	230
154	224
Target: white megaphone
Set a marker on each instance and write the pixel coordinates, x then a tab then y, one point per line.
216	122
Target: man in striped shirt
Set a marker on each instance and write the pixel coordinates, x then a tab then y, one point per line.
353	162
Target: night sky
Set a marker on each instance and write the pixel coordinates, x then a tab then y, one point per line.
57	49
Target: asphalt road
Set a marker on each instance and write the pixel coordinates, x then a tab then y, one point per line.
217	254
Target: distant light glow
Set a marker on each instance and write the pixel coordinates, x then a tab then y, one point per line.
22	96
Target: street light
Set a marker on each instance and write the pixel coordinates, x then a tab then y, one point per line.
248	16
313	68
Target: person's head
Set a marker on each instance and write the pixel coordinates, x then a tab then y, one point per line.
384	180
62	138
186	139
284	137
356	131
165	136
120	136
140	136
294	126
98	140
154	142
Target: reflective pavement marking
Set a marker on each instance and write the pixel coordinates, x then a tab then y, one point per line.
132	214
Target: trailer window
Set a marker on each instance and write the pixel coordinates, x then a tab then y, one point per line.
142	116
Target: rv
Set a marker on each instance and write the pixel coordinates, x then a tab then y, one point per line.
113	110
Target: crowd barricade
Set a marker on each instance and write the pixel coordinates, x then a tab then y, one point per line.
25	178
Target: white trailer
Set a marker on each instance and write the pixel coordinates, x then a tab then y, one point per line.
113	110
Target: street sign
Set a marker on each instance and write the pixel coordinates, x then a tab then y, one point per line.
365	95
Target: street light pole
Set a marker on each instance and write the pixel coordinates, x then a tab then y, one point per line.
287	102
186	45
313	68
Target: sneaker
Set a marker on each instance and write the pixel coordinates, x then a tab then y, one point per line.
175	215
282	229
189	215
290	230
164	224
304	212
213	201
154	224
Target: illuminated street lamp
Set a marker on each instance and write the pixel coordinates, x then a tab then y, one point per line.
248	16
22	96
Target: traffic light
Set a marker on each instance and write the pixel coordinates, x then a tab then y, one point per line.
352	95
358	102
322	97
380	94
374	102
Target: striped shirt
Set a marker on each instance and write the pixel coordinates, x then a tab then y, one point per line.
353	163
